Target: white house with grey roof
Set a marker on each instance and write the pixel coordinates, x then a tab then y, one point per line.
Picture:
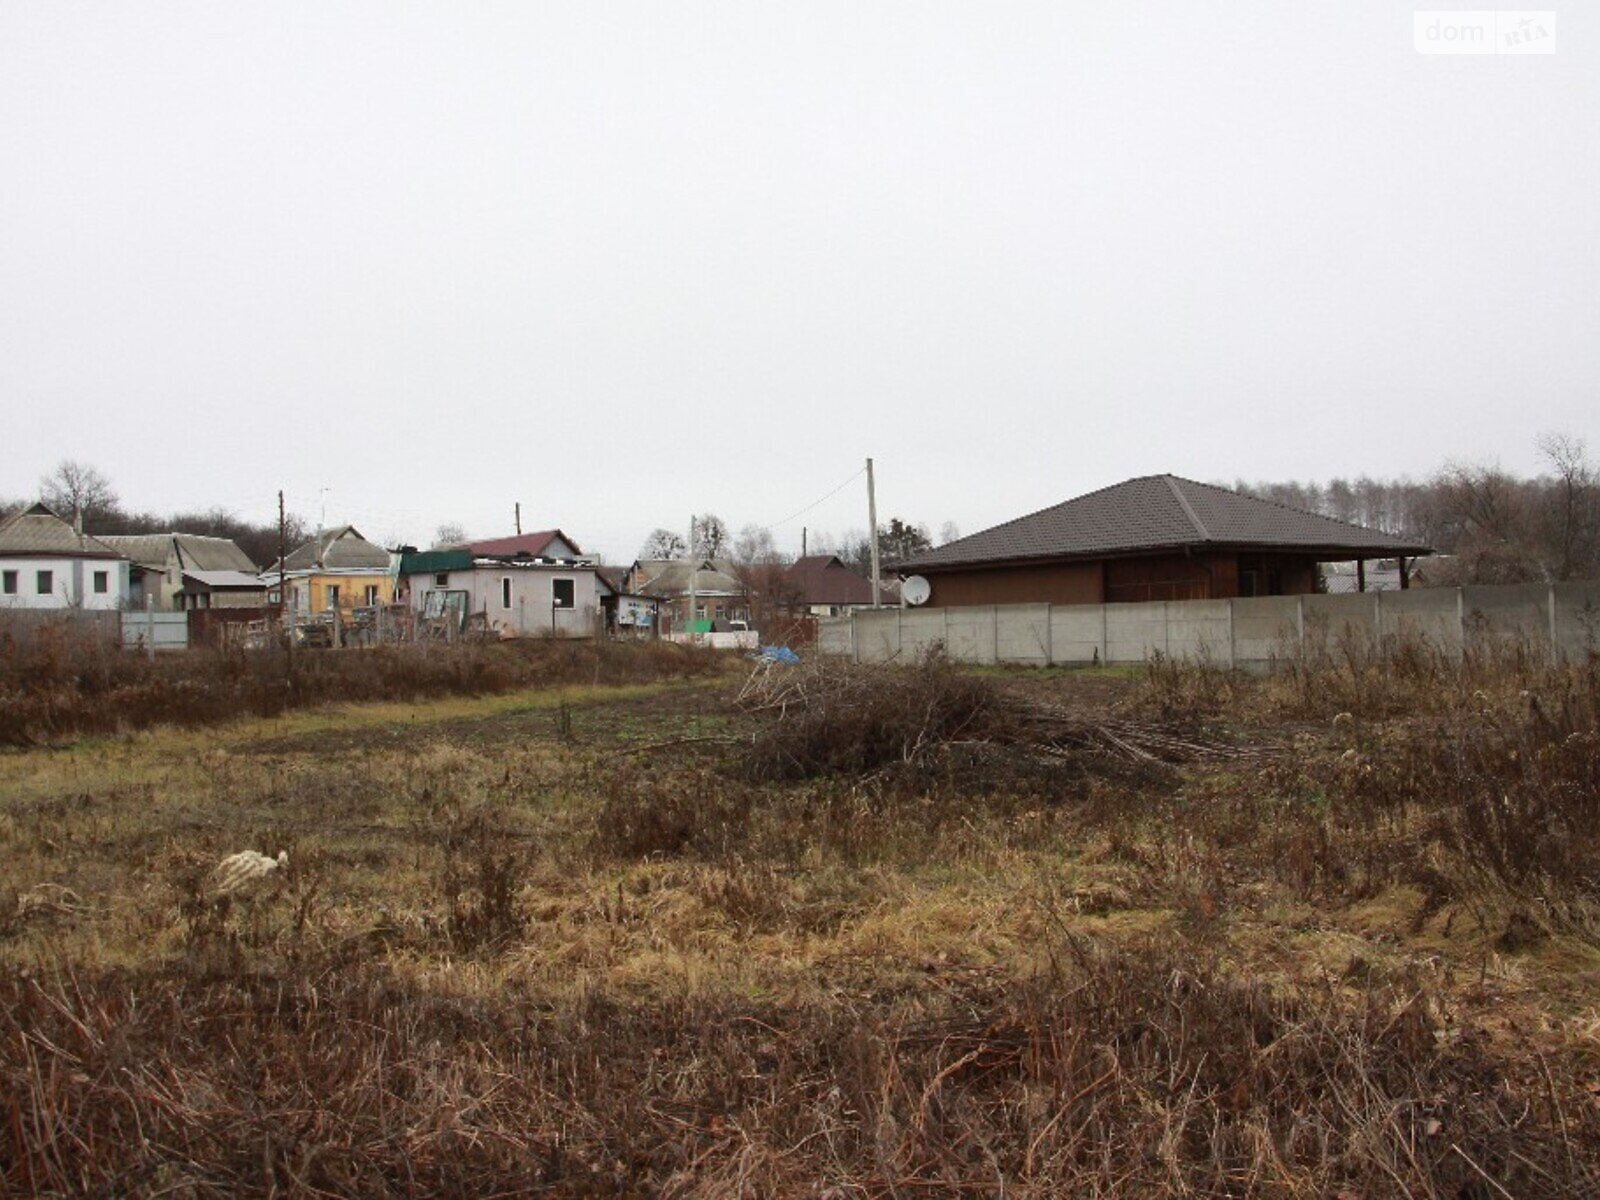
46	563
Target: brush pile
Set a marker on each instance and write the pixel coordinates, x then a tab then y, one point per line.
833	717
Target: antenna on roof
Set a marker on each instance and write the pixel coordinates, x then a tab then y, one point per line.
519	518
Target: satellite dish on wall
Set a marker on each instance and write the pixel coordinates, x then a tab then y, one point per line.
916	590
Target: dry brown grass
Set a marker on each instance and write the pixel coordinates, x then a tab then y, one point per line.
513	953
60	684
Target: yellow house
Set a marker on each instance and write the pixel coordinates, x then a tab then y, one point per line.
340	570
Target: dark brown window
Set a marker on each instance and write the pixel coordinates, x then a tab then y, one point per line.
563	593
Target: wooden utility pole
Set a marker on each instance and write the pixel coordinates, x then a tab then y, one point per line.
283	587
872	523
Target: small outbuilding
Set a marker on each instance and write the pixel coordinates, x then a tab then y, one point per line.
1159	537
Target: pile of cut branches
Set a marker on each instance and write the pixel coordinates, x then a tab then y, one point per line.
834	717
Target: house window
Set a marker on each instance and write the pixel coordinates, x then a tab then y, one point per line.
102	582
45	582
10	583
505	592
563	593
441	579
333	595
372	594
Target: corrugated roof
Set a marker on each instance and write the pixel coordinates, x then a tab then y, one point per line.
197	551
147	549
532	544
1159	512
431	562
36	530
205	553
225	579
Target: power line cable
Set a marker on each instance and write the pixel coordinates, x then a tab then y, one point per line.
802	512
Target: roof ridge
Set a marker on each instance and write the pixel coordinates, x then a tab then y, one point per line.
1172	482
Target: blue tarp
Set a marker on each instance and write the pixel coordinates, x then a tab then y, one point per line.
780	654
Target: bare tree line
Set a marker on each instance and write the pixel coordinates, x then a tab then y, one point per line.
1487	524
83	495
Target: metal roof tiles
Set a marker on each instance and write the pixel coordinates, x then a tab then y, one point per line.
1160	512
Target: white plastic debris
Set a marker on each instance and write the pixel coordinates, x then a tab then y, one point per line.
245	867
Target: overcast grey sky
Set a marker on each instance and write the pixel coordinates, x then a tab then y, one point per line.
622	262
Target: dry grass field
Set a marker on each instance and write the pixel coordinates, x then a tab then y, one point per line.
835	932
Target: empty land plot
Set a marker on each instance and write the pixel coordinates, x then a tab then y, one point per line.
898	931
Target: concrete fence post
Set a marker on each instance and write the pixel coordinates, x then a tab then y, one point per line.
855	641
149	628
994	631
1233	649
1555	646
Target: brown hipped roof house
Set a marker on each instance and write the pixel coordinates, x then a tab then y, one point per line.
1159	537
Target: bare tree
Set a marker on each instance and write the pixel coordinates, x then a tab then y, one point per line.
79	492
449	535
710	536
1572	508
949	532
663	544
755	545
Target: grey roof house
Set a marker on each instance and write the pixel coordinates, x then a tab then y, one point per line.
46	563
1159	537
181	571
719	594
339	570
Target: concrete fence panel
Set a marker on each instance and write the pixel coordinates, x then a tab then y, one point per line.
1135	631
971	633
1203	630
921	629
1266	629
1024	634
1495	619
1078	633
1577	625
1420	618
1562	619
